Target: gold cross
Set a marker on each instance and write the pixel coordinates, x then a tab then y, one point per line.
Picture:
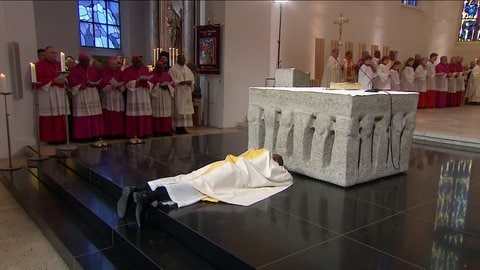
340	21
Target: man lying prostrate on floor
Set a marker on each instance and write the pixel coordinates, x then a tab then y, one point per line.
241	180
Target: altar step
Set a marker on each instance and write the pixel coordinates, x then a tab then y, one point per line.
79	218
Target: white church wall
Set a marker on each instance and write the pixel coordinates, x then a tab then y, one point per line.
212	85
17	25
246	37
246	55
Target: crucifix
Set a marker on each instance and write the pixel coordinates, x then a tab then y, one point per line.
340	21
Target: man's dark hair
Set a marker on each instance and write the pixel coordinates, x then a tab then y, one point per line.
39	51
278	159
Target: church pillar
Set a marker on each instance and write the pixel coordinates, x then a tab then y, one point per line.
189	31
152	33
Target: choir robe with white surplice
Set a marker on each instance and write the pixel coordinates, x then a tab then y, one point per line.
113	103
382	81
394	79
138	119
162	101
420	85
52	103
431	86
86	108
441	83
406	79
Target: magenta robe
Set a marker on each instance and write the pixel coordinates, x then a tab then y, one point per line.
113	103
52	122
138	113
442	96
162	124
86	108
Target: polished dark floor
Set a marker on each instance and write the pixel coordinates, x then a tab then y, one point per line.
427	218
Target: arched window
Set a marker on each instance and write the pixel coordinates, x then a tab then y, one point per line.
469	27
99	23
410	2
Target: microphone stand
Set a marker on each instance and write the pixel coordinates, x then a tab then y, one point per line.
10	167
39	156
67	146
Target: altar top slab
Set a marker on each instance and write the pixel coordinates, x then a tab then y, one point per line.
331	91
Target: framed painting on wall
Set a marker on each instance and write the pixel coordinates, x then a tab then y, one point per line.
208	48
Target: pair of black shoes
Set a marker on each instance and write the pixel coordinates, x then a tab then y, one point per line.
181	130
140	199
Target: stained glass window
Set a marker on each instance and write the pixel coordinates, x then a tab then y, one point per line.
469	26
410	2
99	23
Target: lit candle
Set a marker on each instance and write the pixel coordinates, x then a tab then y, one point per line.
62	61
33	72
170	56
3	82
161	50
154	56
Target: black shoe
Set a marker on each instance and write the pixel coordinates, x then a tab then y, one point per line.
181	130
140	200
124	200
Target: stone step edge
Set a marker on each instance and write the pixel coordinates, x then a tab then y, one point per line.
447	141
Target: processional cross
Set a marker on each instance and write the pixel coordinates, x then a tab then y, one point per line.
340	21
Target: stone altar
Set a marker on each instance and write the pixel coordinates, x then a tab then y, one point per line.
344	137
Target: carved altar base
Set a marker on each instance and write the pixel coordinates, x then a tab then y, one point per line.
339	136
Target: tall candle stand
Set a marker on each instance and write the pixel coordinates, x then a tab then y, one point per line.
10	167
67	146
39	156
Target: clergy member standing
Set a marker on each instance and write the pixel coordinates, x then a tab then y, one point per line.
431	86
86	109
51	99
441	82
420	82
395	76
407	76
474	84
184	85
138	120
382	81
349	74
332	70
366	74
112	100
162	95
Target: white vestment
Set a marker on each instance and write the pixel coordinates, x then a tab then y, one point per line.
431	76
394	80
420	81
86	102
162	101
474	85
183	95
52	101
331	72
243	180
441	82
138	99
382	81
112	99
407	77
365	77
